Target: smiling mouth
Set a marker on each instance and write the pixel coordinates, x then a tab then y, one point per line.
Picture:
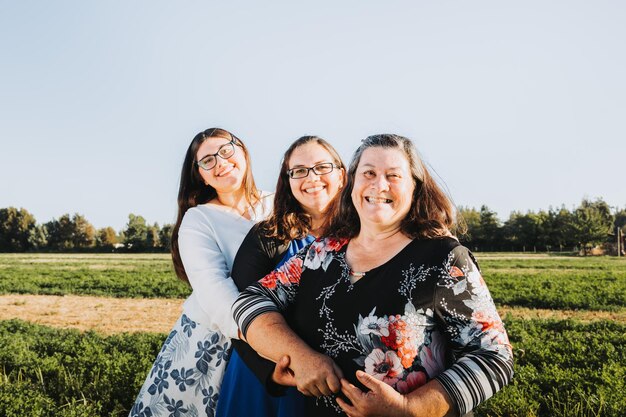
378	200
314	189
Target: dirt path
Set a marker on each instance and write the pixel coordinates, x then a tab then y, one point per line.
115	315
105	315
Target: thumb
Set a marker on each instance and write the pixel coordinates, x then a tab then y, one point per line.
283	363
369	381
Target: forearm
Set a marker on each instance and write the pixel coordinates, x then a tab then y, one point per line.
269	327
429	400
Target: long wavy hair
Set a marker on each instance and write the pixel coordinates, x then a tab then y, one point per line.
289	220
193	191
432	213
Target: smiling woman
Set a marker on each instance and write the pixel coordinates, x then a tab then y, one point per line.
390	314
217	205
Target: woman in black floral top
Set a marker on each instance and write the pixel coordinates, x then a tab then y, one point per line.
396	302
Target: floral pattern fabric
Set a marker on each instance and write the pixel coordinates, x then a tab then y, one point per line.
425	314
186	373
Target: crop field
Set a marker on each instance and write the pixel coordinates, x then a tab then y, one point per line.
563	367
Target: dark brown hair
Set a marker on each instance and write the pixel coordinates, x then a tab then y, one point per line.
288	220
431	214
193	191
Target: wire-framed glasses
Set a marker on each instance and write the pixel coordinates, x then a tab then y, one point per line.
225	151
320	169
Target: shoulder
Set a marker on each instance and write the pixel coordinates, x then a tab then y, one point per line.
435	248
202	217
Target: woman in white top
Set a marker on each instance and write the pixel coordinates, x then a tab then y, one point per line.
218	203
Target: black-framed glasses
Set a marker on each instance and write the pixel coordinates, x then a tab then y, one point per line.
320	169
225	151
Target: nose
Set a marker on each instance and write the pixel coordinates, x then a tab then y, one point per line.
380	183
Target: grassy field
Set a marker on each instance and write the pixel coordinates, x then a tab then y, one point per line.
563	367
523	280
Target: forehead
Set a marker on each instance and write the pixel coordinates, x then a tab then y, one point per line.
210	146
308	155
384	158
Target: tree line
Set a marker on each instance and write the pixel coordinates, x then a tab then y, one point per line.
19	232
592	223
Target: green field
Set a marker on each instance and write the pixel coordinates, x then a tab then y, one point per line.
562	367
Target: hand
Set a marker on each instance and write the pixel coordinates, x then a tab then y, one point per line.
381	400
282	374
316	374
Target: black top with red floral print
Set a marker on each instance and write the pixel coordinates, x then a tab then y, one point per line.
424	314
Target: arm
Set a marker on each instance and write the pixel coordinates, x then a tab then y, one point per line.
256	258
480	345
207	271
257	313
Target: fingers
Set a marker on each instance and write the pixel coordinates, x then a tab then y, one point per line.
347	408
369	381
282	374
351	392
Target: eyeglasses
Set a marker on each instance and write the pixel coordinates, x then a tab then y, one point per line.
225	151
319	169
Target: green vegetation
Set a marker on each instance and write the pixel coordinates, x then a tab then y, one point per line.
562	369
113	275
532	281
557	282
52	372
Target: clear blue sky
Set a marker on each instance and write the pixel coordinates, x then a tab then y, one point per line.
519	106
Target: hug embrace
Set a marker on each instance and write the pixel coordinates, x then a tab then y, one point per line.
349	292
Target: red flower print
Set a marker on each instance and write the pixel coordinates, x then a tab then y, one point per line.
269	281
384	366
413	381
401	338
333	245
456	272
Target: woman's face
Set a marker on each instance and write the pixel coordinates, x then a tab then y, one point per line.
383	188
228	173
314	192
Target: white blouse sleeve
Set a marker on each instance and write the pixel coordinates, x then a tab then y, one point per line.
208	272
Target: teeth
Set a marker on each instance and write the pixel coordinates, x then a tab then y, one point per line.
378	200
314	189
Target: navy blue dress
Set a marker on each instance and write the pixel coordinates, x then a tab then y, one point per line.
247	385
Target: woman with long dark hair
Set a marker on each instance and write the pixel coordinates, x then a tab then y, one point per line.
389	299
307	191
218	203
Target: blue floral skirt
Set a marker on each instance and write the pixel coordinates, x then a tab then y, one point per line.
186	376
243	395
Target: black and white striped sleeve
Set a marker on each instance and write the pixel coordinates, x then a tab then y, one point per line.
483	359
274	292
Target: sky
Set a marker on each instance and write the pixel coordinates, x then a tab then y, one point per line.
515	105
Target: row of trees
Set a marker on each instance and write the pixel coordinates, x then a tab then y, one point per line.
19	232
590	224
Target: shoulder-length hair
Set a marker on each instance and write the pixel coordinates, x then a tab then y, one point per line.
431	214
193	191
289	221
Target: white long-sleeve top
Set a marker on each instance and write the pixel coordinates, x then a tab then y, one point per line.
208	240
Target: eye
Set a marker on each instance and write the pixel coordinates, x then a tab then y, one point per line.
369	174
225	150
393	175
207	160
299	172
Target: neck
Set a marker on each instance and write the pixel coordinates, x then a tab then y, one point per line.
375	235
235	199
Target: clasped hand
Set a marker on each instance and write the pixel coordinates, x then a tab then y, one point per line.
313	374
